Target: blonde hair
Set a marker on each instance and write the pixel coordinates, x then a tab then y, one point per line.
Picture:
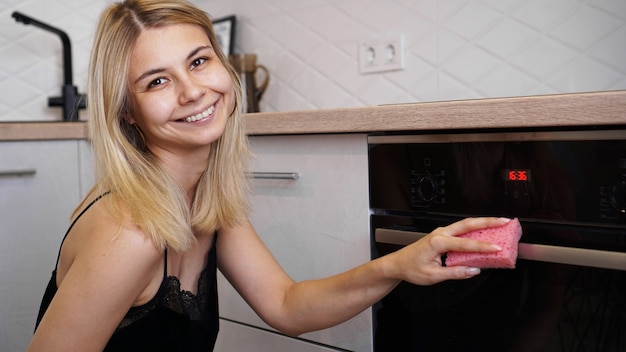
125	166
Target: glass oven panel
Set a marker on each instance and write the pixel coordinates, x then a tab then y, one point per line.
549	178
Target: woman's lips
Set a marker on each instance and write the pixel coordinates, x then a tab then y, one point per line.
200	116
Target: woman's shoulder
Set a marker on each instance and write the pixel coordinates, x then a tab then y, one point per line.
105	238
106	267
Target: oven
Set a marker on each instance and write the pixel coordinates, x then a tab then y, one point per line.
568	188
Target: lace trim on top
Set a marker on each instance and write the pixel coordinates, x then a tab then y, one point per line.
172	297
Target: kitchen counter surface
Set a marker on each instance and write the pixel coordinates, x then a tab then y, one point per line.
42	130
581	109
546	111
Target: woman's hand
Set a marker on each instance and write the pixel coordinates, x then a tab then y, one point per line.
420	262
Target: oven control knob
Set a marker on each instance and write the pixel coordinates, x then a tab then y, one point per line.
618	197
427	188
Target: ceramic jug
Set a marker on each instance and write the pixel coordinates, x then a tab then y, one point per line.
247	68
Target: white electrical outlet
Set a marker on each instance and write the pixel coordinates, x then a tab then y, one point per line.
381	55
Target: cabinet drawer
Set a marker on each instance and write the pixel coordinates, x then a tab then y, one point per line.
39	188
316	225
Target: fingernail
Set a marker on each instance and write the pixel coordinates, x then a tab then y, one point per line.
472	271
505	220
496	247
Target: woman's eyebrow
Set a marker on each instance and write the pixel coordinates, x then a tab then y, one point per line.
159	70
197	50
149	73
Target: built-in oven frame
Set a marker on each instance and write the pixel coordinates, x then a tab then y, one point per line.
614	261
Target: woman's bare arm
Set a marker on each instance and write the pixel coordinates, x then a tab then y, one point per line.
295	308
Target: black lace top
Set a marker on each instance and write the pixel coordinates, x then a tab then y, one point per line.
173	320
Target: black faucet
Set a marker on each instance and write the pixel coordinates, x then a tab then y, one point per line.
70	100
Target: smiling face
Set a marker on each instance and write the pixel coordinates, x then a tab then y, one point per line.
181	93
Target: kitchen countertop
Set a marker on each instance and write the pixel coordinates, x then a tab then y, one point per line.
545	111
42	130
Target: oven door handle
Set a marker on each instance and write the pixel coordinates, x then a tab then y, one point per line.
535	252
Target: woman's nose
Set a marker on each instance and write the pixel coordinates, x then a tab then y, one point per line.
189	90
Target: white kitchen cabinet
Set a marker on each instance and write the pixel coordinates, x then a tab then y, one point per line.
40	184
316	225
241	338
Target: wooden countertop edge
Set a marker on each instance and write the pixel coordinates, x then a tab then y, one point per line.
579	109
44	130
572	110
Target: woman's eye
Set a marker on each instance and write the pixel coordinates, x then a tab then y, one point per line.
197	62
156	82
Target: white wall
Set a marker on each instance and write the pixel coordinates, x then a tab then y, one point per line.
455	49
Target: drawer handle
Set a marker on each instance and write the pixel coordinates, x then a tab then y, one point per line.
18	173
274	175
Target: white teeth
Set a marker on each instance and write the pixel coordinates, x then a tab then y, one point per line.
201	115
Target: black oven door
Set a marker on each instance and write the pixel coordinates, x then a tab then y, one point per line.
557	299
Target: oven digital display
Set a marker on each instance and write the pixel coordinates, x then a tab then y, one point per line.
516	175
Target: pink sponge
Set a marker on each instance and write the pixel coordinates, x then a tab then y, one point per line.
506	236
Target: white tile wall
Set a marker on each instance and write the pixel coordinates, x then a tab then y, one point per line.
455	49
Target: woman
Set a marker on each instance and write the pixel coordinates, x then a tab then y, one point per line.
136	270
